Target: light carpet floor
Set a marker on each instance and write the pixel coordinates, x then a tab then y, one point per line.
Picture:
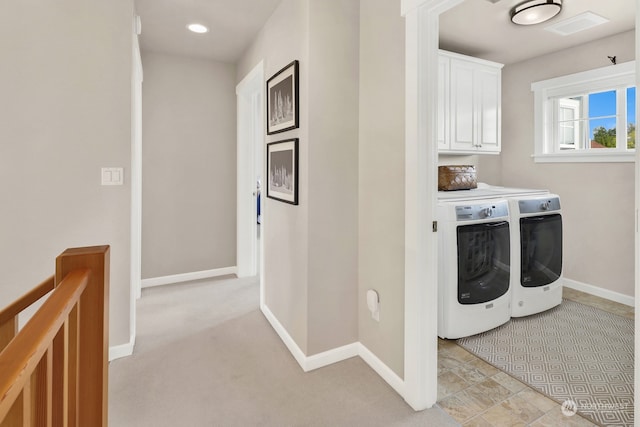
572	353
206	356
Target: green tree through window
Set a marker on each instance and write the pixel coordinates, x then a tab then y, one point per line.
607	137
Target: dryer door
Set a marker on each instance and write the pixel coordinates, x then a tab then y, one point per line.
540	250
483	262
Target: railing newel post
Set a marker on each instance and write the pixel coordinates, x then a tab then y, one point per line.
93	332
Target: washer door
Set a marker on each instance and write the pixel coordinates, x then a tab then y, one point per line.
483	262
541	250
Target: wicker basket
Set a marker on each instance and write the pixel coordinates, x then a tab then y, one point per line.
456	177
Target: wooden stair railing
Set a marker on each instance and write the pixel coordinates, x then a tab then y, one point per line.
54	371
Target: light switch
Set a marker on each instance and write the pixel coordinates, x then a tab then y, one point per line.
112	176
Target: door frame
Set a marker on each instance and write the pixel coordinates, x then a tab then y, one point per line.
636	370
135	273
421	159
250	94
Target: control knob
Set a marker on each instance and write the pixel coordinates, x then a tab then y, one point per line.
486	212
545	205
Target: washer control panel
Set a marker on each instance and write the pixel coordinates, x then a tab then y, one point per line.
487	210
542	204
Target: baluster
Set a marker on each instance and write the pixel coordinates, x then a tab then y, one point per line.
8	330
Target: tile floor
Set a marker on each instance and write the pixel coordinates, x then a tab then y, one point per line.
476	394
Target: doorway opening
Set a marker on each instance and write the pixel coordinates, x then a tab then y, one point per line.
422	23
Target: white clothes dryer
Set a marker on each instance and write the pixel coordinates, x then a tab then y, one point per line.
536	254
485	191
473	266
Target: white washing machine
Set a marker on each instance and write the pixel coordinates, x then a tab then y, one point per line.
473	266
536	253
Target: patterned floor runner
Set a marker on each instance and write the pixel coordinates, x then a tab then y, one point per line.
580	356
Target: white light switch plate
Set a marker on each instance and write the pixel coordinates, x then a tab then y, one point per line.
112	176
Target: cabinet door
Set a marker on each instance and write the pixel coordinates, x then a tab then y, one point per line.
487	102
462	106
443	103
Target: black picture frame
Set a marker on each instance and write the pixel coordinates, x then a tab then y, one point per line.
282	171
282	100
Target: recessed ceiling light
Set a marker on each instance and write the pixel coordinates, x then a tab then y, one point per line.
535	11
197	28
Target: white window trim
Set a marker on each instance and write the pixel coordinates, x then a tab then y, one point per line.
587	81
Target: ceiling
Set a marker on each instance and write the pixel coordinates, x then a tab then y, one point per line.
478	28
233	24
482	28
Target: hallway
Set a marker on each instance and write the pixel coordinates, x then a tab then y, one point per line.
205	355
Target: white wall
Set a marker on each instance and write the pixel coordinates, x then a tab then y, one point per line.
333	173
597	198
286	228
310	250
65	80
381	178
189	165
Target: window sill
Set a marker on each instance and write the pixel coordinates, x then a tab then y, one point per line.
586	157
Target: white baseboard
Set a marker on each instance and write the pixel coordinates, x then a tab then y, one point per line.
599	292
309	363
332	356
383	370
285	337
122	350
187	277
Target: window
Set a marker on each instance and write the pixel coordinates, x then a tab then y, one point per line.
586	117
568	124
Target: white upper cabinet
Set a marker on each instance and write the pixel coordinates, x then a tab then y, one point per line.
469	100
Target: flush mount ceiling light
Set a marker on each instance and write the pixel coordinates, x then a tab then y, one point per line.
535	11
197	28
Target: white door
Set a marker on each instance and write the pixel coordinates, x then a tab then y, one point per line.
250	94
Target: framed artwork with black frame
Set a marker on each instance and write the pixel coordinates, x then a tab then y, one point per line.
282	171
282	100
